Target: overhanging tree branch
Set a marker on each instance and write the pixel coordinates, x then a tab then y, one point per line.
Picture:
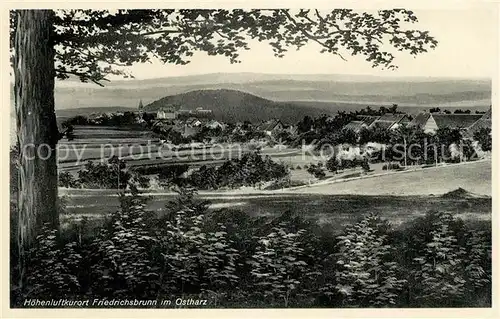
83	76
310	36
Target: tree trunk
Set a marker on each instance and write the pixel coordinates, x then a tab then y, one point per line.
37	132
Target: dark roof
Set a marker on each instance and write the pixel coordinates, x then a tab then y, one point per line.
455	120
479	124
388	120
420	120
355	125
487	115
268	125
167	109
367	119
383	124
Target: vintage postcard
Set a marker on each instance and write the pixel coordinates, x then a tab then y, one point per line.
322	157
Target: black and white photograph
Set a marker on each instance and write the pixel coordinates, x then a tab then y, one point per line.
253	158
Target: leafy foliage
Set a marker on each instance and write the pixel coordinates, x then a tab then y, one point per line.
234	259
278	267
366	276
316	170
483	136
123	266
445	260
66	179
110	175
63	262
249	170
92	44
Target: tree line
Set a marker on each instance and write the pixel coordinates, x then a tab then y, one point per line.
252	169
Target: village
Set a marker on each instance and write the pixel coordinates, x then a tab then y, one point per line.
189	123
358	144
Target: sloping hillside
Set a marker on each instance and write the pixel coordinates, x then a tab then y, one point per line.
406	91
232	105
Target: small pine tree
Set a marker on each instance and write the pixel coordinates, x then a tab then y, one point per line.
123	266
366	276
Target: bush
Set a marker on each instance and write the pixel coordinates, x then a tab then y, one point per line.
251	169
67	179
104	175
365	275
52	268
333	164
234	259
365	166
445	267
122	258
110	175
316	170
172	175
483	136
284	183
391	166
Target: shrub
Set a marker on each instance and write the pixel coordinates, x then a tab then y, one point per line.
366	276
283	265
483	136
121	253
172	175
110	175
52	268
316	170
186	248
444	268
284	183
391	166
67	179
104	175
234	259
332	164
251	169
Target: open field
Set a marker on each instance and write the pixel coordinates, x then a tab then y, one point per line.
154	154
331	211
474	177
398	197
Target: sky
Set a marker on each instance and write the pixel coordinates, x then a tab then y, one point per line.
467	47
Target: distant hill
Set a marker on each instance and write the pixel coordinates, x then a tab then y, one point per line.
405	91
232	106
306	92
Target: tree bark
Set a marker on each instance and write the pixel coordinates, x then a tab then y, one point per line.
37	132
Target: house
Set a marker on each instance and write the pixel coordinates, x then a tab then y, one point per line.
390	121
292	129
367	119
271	127
431	122
188	131
202	111
166	114
355	126
193	121
213	125
362	121
484	122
